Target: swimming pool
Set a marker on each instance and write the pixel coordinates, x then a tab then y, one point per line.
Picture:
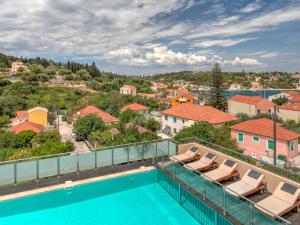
128	200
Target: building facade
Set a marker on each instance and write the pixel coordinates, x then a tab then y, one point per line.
255	137
128	89
250	105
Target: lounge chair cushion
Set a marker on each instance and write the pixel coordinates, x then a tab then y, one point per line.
253	178
281	193
228	166
216	175
197	165
239	187
181	157
274	205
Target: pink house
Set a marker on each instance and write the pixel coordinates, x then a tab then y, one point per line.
251	105
256	138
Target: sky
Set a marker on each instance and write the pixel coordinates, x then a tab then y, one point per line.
156	36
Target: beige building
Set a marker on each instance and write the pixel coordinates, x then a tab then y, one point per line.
289	112
18	67
128	89
250	105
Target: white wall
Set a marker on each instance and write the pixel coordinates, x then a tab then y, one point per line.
170	122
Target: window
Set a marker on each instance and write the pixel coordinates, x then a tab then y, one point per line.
174	120
240	137
253	155
258	111
270	145
292	146
255	138
166	117
174	131
269	110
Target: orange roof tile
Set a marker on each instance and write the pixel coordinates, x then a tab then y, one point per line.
25	127
134	107
141	130
92	110
252	100
264	127
200	113
293	106
130	86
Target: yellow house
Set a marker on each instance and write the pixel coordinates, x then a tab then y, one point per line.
38	115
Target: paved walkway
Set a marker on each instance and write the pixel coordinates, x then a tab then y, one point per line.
65	131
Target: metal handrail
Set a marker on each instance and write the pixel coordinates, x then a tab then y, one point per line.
257	163
224	188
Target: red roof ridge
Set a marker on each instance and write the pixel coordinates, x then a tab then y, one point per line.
200	113
264	127
134	107
252	100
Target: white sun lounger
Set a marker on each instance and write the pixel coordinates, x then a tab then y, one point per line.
225	171
204	163
251	182
190	155
284	199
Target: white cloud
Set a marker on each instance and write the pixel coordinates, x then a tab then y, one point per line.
269	54
245	62
251	7
221	42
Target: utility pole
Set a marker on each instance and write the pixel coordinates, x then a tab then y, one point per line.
274	133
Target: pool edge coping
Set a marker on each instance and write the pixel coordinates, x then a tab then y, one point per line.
74	183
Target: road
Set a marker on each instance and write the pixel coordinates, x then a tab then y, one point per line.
65	131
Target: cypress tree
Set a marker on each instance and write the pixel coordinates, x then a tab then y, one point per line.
217	99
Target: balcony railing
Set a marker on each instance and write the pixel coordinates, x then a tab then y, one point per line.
242	210
25	170
259	163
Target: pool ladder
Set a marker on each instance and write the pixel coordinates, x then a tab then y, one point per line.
69	187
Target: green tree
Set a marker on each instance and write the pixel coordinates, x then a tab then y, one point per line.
88	124
217	99
152	125
4	120
24	139
280	100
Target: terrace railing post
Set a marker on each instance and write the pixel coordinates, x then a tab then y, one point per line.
143	146
15	173
37	169
168	147
224	201
251	214
96	159
77	162
112	157
58	166
127	154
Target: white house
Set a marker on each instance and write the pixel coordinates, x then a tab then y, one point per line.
128	89
184	115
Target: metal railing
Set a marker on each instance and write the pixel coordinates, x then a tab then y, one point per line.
259	163
30	169
239	208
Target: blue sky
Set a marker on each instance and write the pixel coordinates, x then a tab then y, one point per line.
151	36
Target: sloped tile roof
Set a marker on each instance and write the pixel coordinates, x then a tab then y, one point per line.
264	127
200	113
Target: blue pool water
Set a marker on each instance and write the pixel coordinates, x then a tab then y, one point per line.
129	200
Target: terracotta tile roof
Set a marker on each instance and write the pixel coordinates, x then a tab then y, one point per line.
264	127
130	86
141	130
165	100
25	127
200	113
146	95
134	107
114	131
252	100
20	115
293	106
92	110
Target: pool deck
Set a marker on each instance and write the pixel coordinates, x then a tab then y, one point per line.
45	185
